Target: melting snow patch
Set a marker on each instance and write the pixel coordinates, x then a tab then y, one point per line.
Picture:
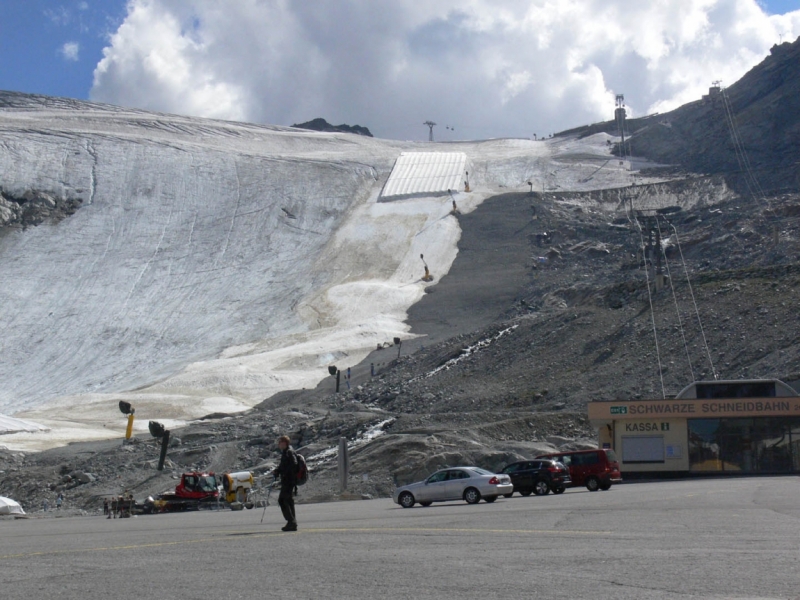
470	350
12	425
362	439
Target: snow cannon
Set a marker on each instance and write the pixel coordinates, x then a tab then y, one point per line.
126	409
455	206
427	277
238	487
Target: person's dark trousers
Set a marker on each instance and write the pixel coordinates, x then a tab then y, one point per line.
286	502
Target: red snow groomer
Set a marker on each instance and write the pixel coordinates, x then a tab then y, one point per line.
195	491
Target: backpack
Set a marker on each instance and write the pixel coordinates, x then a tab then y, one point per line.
302	470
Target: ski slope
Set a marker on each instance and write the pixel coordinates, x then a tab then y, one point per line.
213	263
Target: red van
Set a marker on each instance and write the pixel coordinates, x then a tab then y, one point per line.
596	469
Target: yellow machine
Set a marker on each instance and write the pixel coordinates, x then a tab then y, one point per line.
126	409
237	486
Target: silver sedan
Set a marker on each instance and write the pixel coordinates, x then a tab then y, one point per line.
457	483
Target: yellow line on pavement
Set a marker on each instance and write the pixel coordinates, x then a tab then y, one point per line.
261	534
452	530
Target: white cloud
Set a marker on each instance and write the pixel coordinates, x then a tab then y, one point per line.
489	67
70	51
58	15
83	6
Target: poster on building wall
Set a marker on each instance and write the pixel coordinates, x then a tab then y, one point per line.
673	451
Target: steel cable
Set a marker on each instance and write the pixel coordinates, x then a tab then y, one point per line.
677	309
652	313
694	302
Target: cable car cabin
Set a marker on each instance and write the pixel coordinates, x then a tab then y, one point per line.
710	427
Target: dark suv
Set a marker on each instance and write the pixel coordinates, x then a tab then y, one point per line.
596	469
539	476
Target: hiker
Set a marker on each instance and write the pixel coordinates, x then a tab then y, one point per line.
105	506
114	507
59	500
287	471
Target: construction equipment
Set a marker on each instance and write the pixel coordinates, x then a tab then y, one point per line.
196	490
238	488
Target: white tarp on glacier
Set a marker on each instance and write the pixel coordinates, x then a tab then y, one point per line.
426	173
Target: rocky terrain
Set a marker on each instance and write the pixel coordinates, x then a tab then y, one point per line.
561	319
320	124
34	208
765	106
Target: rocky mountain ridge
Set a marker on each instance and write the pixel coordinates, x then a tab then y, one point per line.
764	106
320	124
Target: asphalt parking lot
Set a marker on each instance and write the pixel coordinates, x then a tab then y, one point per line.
723	538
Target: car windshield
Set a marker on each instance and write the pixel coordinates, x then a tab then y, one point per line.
611	455
480	471
208	483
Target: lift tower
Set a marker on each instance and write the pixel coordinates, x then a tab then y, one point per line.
648	222
430	125
619	115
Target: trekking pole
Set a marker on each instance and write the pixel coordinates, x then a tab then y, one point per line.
269	493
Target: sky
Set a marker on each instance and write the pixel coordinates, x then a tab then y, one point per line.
478	68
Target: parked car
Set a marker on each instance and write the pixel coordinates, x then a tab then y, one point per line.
596	469
458	483
540	476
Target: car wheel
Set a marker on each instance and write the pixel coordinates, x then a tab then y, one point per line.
425	503
605	486
525	492
489	499
559	490
592	484
472	496
508	495
540	488
406	500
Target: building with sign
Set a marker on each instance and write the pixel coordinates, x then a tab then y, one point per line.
709	427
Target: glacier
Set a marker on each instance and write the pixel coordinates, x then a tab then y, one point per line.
212	263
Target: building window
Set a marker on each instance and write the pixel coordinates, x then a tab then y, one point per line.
768	445
751	389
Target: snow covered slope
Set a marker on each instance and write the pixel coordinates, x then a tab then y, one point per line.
212	263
